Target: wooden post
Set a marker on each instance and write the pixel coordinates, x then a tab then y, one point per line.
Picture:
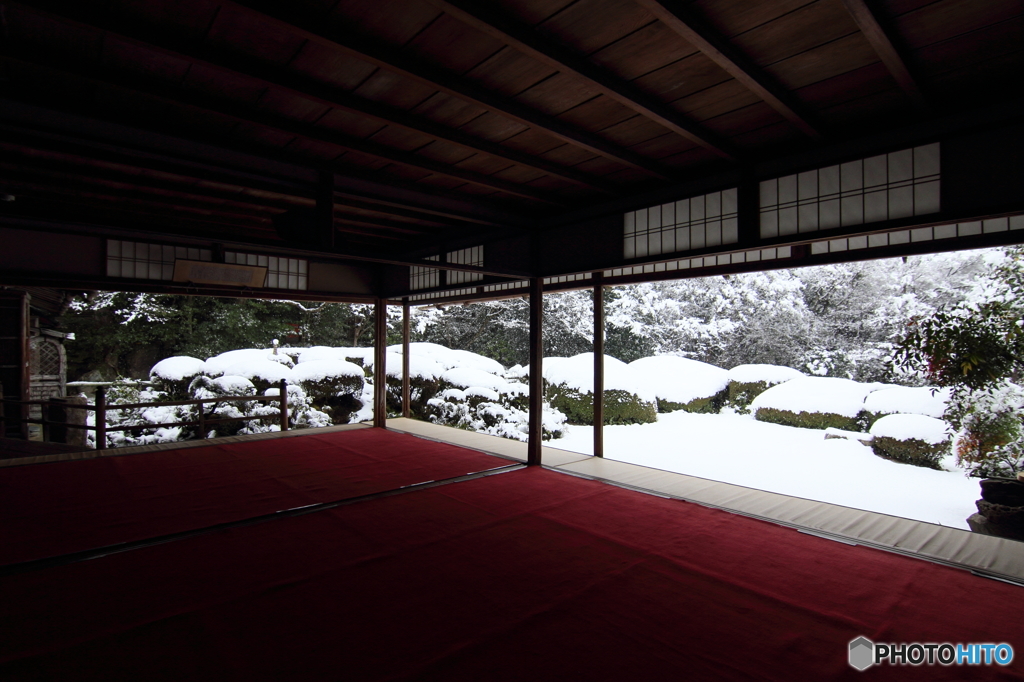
598	365
406	381
283	387
380	376
101	418
202	419
536	430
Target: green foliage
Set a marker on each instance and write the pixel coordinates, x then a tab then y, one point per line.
620	407
911	451
976	347
421	391
741	394
807	420
710	405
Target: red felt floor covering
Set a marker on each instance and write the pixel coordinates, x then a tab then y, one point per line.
529	575
63	507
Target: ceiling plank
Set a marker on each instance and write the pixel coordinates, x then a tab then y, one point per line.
296	85
205	104
525	39
702	36
868	24
312	27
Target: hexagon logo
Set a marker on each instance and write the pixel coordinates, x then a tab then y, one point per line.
862	653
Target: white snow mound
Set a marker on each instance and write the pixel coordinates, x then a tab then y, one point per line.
679	380
905	400
177	368
267	370
319	370
219	364
769	374
816	395
578	372
466	377
907	426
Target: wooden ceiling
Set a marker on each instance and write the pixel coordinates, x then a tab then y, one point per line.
424	121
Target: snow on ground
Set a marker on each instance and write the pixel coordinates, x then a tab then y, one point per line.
782	459
816	394
930	402
679	380
578	372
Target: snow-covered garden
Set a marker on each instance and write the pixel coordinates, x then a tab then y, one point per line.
820	383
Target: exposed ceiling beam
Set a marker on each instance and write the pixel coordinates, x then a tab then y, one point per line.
291	18
236	66
868	24
694	30
208	104
524	38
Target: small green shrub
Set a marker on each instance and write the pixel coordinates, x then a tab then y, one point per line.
421	390
620	407
710	405
911	451
741	394
807	420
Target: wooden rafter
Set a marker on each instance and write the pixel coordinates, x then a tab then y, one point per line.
698	33
296	85
524	38
207	104
868	24
290	18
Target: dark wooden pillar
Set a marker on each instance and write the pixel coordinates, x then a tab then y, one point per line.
380	375
406	385
325	210
533	452
14	359
598	365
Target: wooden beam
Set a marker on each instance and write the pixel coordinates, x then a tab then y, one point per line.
524	38
598	364
883	45
205	105
291	83
535	443
702	36
406	381
311	26
380	376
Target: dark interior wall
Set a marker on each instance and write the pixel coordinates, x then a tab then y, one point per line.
583	246
42	253
14	357
983	172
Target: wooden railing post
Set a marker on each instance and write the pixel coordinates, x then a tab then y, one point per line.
101	418
201	419
283	387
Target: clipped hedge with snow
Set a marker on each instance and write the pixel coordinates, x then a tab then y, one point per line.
911	439
746	382
570	389
333	386
174	375
930	402
682	384
813	403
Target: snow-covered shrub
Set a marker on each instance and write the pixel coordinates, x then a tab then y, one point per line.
931	402
332	385
263	373
911	439
991	438
174	375
570	389
494	412
204	388
682	384
746	382
813	403
424	384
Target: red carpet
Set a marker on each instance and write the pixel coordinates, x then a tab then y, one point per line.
529	575
63	507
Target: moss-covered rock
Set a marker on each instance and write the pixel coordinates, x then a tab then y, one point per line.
807	420
910	451
620	407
